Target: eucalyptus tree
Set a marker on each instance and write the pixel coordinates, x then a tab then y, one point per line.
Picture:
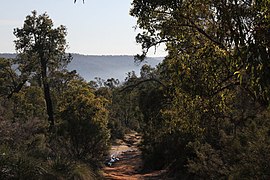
41	51
239	29
216	74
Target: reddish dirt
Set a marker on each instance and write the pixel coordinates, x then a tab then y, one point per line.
129	167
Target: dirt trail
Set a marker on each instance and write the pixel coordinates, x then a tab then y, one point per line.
130	164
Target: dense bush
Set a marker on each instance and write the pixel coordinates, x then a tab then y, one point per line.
85	122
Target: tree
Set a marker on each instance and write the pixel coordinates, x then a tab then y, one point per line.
41	51
85	120
216	74
237	28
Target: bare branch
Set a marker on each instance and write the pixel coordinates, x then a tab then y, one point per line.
143	81
17	88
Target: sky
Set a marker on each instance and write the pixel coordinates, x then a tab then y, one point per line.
97	27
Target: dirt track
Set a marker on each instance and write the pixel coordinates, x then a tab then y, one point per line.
130	164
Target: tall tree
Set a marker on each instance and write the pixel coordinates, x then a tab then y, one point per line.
217	77
237	28
41	51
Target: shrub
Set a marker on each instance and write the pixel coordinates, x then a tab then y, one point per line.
85	120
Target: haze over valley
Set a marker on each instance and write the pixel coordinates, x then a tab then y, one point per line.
104	67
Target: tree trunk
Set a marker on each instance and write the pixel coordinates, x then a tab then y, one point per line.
47	94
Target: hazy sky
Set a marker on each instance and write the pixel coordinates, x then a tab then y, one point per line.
97	27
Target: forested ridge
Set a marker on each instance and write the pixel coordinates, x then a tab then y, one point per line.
202	113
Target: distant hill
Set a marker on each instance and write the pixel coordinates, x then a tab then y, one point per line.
90	66
7	55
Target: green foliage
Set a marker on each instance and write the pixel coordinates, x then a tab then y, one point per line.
189	27
86	119
41	52
28	104
216	78
14	165
22	148
243	156
7	77
124	112
75	147
28	151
